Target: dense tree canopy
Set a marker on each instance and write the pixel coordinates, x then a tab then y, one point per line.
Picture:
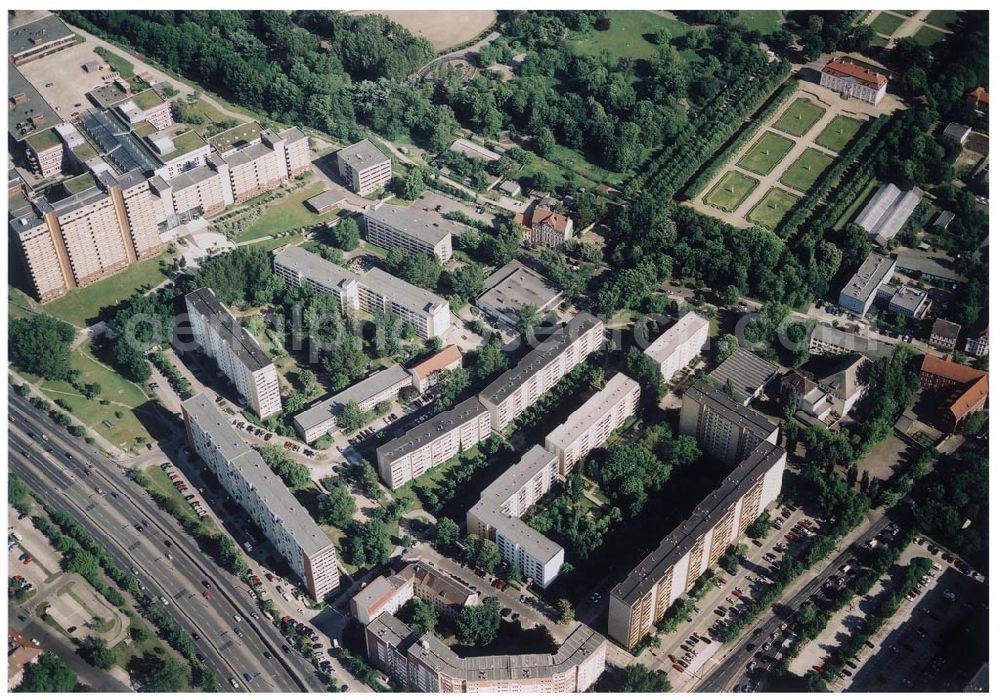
40	344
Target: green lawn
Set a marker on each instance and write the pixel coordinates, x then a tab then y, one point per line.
839	132
273	243
627	35
848	215
208	112
799	117
805	170
286	214
20	305
879	41
731	190
943	18
123	431
81	307
114	387
116	61
160	483
772	208
766	153
764	21
926	36
886	24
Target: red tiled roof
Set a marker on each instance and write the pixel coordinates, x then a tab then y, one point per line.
970	400
848	70
975	385
941	367
546	216
980	95
444	357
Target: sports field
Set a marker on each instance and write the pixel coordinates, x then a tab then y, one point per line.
807	167
766	153
926	36
839	132
799	117
731	190
772	208
886	23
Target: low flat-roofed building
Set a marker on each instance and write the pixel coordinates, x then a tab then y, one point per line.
426	664
381	595
470	149
260	492
679	344
911	302
639	601
944	334
414	228
744	373
944	219
860	292
364	167
321	418
887	211
432	442
325	201
724	428
235	351
42	37
513	287
939	268
827	340
591	424
510	394
425	372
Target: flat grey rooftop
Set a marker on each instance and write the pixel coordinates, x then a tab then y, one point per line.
362	154
431	429
32	105
514	286
368	387
427	226
745	372
283	507
581	420
239	340
34	34
687	326
193	177
315	267
722	404
402	292
706	515
556	343
887	211
866	280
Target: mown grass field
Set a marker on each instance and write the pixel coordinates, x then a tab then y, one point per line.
114	387
82	307
926	36
943	18
764	21
766	153
772	208
886	24
626	38
799	117
730	191
802	174
839	132
286	214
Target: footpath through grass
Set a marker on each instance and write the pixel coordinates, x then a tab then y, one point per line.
286	214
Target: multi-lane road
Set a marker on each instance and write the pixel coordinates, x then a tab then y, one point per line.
54	468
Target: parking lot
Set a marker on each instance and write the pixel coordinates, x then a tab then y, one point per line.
684	654
913	652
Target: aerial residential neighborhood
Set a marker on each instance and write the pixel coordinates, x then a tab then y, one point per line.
498	351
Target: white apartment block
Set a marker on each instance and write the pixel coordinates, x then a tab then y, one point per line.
849	79
364	167
412	228
592	424
382	595
641	599
433	442
679	344
375	292
234	350
247	478
724	428
520	387
497	515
